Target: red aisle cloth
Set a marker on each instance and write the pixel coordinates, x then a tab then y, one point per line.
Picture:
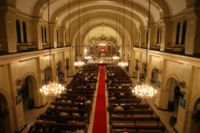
100	125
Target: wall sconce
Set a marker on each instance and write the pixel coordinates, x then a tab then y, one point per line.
182	85
18	82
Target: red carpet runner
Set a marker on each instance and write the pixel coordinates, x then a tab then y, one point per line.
100	125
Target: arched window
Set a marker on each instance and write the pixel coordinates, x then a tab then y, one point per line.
65	37
184	32
42	31
18	31
178	32
45	35
57	37
24	31
158	36
147	36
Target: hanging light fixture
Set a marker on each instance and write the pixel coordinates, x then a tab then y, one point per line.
78	62
52	89
145	89
123	63
114	56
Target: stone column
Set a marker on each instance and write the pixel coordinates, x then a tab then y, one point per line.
62	35
18	108
192	33
53	35
160	102
8	29
41	99
37	34
163	36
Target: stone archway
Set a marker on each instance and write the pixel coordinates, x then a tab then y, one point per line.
30	97
27	92
4	115
195	123
174	92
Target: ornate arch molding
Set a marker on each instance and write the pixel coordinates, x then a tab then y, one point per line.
88	29
118	6
33	75
96	22
161	5
168	77
194	100
108	10
108	18
75	18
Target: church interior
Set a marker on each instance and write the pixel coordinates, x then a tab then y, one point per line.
99	66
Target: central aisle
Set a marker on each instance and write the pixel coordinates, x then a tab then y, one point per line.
100	122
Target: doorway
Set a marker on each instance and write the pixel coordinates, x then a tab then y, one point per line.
195	125
27	93
4	115
174	95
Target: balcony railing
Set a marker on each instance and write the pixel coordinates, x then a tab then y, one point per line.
155	47
47	46
176	49
60	45
25	47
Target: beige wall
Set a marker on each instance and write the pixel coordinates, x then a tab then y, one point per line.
183	69
15	68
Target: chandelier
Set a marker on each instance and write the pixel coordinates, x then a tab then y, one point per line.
52	89
88	57
115	57
145	90
122	64
79	62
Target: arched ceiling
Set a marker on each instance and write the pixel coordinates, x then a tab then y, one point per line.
76	13
137	10
102	30
60	10
160	8
123	32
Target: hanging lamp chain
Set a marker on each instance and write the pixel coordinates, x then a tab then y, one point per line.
148	43
49	26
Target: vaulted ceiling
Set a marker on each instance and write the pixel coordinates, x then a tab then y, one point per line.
129	14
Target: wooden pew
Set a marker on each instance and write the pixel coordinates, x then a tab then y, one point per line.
73	126
134	119
61	118
138	127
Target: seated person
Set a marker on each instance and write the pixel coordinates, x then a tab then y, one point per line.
118	108
75	114
113	98
69	101
88	102
63	114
